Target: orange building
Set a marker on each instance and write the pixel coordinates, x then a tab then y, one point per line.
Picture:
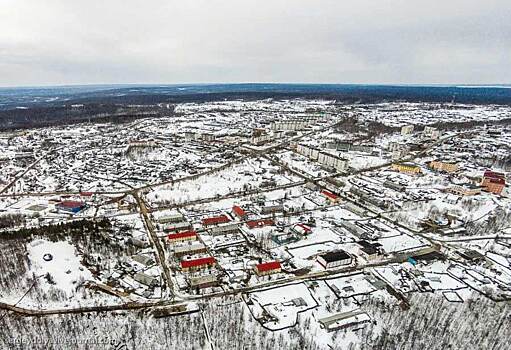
493	182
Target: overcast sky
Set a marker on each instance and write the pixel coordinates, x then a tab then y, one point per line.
54	42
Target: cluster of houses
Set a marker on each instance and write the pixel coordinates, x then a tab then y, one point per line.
197	259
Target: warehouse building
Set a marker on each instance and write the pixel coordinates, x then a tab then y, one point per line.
334	259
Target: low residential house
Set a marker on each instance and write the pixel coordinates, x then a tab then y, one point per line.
190	249
406	130
182	236
283	237
268	268
431	132
334	259
205	281
198	264
394	186
271	209
301	229
138	242
224	229
145	279
260	223
178	226
143	259
171	218
464	190
239	212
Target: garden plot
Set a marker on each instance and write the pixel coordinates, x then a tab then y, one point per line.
278	308
483	281
348	286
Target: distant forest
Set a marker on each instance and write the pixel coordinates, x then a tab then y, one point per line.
26	107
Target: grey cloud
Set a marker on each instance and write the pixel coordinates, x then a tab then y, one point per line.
168	41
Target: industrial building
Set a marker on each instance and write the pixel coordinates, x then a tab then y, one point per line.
334	259
72	207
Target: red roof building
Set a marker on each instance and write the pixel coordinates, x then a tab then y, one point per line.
330	196
302	229
260	223
182	236
222	219
268	268
197	264
70	206
86	194
493	175
493	182
239	212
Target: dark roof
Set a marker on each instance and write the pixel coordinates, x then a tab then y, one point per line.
367	244
369	250
471	255
335	256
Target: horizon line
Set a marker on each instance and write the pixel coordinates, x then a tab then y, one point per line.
474	85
